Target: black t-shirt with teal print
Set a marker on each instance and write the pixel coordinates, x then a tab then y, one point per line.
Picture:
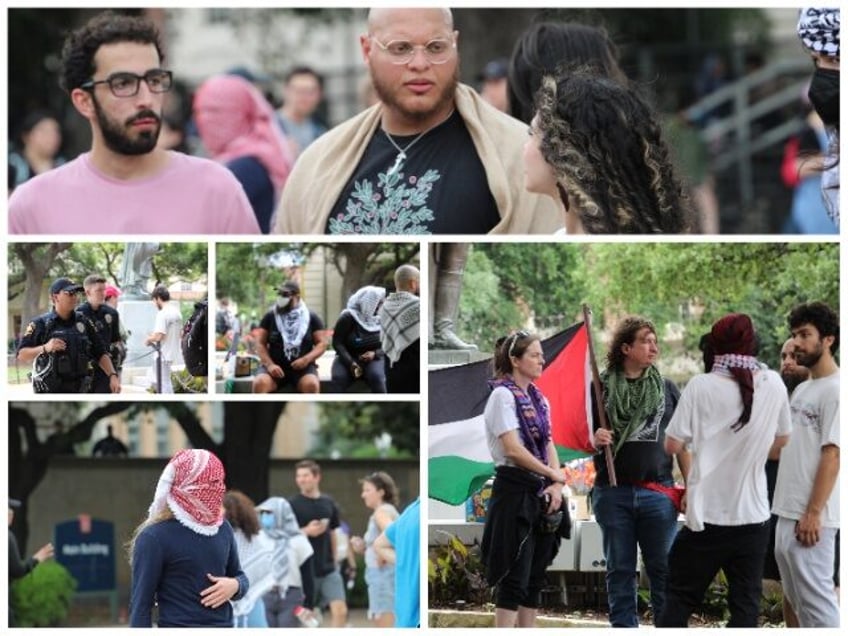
440	188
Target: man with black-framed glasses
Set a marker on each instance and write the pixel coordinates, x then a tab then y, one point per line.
112	69
64	346
430	158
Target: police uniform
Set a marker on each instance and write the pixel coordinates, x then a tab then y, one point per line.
106	325
70	370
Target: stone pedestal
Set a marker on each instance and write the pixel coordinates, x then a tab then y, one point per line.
138	317
452	357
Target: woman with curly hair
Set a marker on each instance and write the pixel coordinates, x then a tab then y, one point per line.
596	147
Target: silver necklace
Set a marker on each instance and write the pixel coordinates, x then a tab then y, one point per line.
401	155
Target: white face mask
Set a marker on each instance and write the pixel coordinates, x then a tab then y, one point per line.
283	302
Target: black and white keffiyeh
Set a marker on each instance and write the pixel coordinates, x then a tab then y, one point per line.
362	305
818	29
399	318
293	325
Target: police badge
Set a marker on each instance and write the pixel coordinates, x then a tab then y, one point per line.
80	327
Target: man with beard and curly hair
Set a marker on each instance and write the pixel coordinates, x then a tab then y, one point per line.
430	158
112	71
596	149
806	497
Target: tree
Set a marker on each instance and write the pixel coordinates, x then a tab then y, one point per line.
357	263
244	451
362	264
30	264
681	283
35	261
350	428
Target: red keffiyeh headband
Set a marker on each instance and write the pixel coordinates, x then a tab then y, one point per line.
734	343
192	487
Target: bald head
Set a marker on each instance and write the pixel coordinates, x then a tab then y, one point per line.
407	278
380	19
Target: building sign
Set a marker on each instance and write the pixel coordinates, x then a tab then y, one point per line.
86	547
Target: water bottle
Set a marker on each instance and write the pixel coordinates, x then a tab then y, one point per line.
306	618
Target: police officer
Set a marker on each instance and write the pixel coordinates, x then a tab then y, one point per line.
118	350
66	346
105	321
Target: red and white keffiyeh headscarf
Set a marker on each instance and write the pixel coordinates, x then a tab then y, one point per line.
734	345
192	487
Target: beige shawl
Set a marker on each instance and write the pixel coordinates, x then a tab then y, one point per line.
325	167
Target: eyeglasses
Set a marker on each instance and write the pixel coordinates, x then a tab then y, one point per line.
286	294
437	51
126	84
515	337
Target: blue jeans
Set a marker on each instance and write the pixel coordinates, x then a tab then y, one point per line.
631	515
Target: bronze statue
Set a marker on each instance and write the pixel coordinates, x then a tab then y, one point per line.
137	268
450	266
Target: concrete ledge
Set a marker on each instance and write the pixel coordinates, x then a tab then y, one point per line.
454	618
245	385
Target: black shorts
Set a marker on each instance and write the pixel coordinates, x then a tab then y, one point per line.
291	377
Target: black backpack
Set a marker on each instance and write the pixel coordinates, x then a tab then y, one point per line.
193	341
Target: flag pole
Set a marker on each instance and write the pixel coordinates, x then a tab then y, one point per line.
599	397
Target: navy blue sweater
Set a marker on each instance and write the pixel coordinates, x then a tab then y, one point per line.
169	566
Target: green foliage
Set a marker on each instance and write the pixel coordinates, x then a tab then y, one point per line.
173	262
349	428
248	273
688	284
185	382
455	573
715	599
485	311
42	597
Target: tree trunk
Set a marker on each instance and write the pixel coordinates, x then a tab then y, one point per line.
28	467
248	433
37	261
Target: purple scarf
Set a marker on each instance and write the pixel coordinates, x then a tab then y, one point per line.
533	417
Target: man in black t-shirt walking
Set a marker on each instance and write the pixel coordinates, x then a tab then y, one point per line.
289	340
318	517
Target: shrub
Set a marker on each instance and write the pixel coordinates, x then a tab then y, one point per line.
455	573
42	597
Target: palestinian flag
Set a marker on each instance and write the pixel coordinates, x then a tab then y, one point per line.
460	461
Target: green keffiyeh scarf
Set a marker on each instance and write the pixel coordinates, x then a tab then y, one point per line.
628	402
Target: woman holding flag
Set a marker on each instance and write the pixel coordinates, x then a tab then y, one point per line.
525	516
635	504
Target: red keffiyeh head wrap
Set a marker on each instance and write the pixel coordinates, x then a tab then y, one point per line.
734	343
192	487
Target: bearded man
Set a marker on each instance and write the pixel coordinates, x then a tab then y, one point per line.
432	157
806	497
112	71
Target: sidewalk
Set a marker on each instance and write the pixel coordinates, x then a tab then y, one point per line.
355	618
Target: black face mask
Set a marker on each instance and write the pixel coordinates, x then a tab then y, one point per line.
824	95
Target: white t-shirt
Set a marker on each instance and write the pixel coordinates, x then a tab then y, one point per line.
190	195
500	417
727	480
815	417
169	321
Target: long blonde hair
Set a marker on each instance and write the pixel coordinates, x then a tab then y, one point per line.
164	515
